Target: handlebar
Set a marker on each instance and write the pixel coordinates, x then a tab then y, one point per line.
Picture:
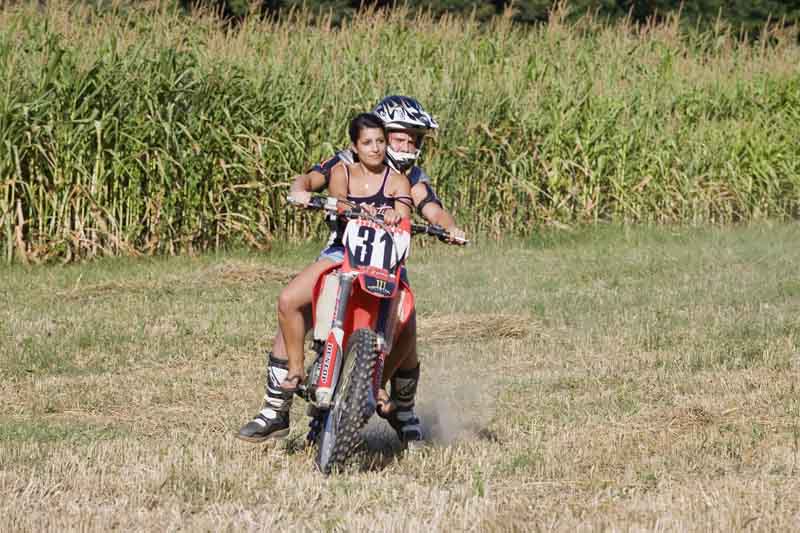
331	205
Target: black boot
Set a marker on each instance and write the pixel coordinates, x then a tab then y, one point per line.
261	428
402	418
273	420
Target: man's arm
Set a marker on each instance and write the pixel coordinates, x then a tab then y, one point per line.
312	181
431	207
317	178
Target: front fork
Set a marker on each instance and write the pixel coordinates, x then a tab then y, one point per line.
317	414
331	361
325	371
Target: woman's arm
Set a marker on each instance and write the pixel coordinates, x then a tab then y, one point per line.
337	187
400	189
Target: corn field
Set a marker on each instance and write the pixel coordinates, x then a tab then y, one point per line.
128	131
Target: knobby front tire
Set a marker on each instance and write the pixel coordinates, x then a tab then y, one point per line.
353	405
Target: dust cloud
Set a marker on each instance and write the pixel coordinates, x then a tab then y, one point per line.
454	403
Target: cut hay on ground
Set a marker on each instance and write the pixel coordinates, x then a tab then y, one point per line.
457	327
98	290
236	272
227	273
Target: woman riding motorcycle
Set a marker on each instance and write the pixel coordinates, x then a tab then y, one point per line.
406	123
374	186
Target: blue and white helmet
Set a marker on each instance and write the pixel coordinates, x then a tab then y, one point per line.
404	113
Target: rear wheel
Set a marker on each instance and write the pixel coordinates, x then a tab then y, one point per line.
353	405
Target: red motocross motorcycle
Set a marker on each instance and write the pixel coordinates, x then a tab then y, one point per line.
359	307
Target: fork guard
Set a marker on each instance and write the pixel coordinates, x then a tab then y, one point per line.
359	315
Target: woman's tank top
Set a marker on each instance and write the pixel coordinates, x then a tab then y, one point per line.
377	200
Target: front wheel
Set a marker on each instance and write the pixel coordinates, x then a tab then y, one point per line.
353	404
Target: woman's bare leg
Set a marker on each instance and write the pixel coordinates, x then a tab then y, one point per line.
291	302
278	344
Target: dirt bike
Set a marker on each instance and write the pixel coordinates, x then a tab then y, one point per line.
359	307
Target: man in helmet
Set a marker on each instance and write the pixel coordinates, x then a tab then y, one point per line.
406	124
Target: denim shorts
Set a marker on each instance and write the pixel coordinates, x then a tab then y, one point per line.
332	253
336	254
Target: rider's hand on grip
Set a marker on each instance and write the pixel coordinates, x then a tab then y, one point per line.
457	236
390	216
300	198
450	237
368	209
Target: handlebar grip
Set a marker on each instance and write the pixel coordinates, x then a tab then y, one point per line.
314	202
438	232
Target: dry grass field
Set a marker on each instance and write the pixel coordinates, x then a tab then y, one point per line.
620	379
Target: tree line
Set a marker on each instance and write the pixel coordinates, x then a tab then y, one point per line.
748	16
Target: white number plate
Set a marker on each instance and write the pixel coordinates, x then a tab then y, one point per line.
370	245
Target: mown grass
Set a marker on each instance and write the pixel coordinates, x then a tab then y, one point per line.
134	130
653	386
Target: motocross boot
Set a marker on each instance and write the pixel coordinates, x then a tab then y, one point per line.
403	419
272	422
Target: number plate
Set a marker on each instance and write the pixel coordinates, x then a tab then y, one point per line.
369	245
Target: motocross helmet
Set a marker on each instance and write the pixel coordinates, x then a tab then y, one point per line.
402	113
